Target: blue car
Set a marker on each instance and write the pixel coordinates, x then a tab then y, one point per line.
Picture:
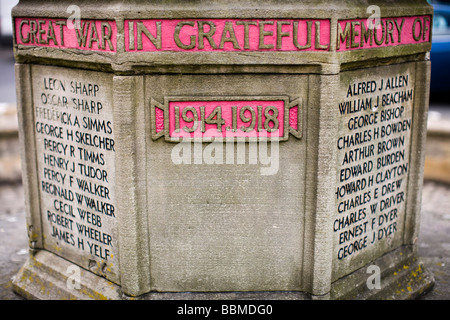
440	51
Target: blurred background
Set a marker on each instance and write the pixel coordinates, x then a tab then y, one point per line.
434	238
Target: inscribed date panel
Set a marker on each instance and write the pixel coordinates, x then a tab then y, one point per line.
225	215
75	152
373	148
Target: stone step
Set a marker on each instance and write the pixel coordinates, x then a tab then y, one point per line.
437	151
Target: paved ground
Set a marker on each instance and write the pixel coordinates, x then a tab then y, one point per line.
434	239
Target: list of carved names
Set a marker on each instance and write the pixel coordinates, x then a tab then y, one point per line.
373	161
75	151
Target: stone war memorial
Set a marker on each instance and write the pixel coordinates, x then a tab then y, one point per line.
222	149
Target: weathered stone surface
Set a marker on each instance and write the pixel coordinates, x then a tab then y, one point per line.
233	224
169	152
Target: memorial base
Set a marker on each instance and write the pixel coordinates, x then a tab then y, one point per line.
47	276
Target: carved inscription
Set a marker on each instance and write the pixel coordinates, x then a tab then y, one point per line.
373	160
196	35
75	149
